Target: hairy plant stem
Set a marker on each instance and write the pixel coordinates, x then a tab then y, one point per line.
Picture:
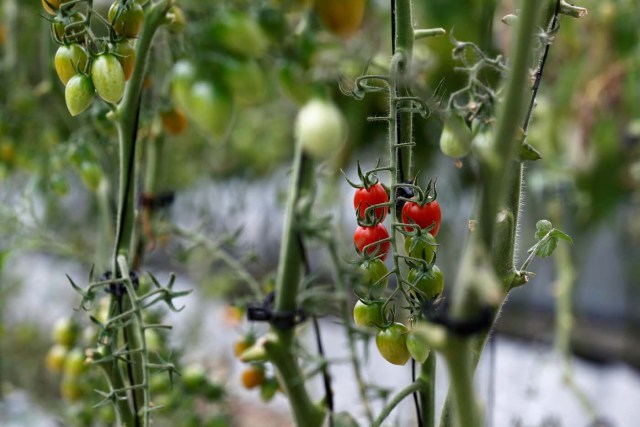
126	116
427	392
281	343
470	293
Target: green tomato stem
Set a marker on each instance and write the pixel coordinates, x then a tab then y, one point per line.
395	401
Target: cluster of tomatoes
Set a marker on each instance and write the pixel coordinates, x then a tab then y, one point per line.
86	64
255	374
421	217
81	71
208	89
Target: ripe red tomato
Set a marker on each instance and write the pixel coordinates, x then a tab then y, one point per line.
392	344
374	195
423	216
368	235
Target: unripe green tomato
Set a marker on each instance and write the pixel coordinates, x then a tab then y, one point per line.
367	316
55	359
159	383
65	331
392	344
194	377
183	75
482	141
129	19
74	364
107	414
78	94
126	55
320	128
69	60
455	140
73	33
177	20
142	2
374	271
91	175
247	81
71	389
237	33
417	347
210	107
430	283
154	342
421	247
108	77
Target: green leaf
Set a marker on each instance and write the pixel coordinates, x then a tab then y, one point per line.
528	152
542	228
561	235
545	249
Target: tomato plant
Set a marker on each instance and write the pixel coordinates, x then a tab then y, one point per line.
126	20
365	197
392	344
108	77
79	93
365	236
429	282
368	315
423	216
69	60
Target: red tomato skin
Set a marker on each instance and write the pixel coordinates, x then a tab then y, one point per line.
423	216
365	197
364	236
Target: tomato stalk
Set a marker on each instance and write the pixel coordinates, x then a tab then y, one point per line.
280	346
502	186
126	115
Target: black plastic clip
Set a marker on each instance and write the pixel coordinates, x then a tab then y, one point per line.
118	289
439	314
264	312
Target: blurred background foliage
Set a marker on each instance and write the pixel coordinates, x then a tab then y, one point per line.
56	171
